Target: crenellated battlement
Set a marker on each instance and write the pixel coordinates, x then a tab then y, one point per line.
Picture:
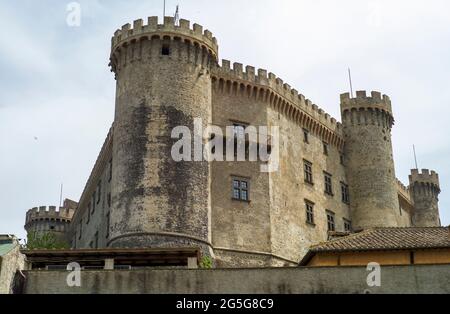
403	190
364	110
51	212
426	177
139	30
362	101
254	82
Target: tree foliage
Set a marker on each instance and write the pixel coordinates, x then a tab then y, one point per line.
45	241
206	262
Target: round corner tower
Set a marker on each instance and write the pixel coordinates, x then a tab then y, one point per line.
367	125
425	191
42	220
163	81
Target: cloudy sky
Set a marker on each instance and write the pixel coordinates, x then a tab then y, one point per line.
57	92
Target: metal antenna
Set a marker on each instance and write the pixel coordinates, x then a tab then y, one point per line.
60	196
164	9
177	15
351	84
415	156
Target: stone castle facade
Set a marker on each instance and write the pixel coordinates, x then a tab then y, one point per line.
332	178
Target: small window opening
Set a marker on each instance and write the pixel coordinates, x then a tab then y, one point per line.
165	51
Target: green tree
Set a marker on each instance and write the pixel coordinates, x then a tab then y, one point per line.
206	262
45	241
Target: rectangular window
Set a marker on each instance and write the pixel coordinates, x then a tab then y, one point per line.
110	171
345	193
306	136
342	158
325	148
88	219
328	184
309	212
108	217
241	190
308	172
109	200
165	50
96	240
80	229
93	203
331	221
239	130
99	191
347	225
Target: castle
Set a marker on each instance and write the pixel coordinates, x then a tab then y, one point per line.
332	178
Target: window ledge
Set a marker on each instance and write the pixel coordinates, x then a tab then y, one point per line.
311	224
242	201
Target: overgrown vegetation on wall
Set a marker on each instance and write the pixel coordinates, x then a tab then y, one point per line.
44	241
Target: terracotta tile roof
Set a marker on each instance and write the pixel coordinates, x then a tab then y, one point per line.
389	239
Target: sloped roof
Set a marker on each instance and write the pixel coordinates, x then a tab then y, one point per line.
5	248
381	239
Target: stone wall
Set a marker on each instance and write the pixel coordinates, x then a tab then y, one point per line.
9	264
91	222
349	280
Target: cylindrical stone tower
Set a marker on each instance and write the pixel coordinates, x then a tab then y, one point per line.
43	220
425	191
367	125
163	81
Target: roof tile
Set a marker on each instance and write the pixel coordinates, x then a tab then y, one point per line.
389	239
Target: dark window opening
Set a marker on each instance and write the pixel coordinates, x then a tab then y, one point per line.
328	184
88	218
325	149
81	229
347	225
241	190
108	217
165	50
331	221
93	203
110	171
308	172
345	193
99	193
306	136
96	240
309	212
